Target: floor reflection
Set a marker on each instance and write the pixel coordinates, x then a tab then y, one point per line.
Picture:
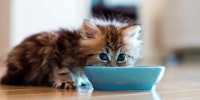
155	95
85	91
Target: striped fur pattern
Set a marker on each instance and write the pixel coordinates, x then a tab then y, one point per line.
57	58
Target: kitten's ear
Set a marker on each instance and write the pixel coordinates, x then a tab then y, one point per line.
89	30
132	31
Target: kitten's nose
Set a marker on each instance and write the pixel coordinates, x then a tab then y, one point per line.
113	64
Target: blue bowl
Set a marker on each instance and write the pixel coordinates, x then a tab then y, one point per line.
124	78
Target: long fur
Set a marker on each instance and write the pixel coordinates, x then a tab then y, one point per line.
47	58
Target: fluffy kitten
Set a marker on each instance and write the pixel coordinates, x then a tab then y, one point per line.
53	58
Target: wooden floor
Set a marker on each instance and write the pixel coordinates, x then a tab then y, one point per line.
178	83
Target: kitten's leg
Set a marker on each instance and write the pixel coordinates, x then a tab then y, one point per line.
61	78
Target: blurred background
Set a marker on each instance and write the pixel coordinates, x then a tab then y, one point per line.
171	28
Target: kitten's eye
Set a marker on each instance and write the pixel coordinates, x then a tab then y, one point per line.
121	57
103	56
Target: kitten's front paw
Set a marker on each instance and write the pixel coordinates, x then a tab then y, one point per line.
64	85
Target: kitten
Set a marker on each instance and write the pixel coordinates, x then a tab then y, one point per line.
55	58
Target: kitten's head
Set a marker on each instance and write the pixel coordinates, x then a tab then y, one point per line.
110	43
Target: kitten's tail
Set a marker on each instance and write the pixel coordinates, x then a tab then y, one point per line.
13	76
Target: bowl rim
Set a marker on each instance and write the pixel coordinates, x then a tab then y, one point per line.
132	67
